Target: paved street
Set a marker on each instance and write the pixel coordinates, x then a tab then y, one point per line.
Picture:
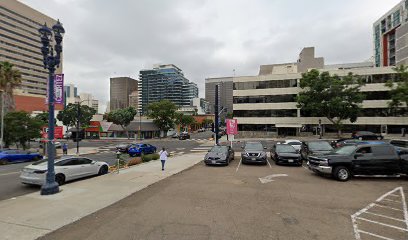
232	203
10	185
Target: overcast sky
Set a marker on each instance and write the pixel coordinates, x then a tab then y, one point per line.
205	38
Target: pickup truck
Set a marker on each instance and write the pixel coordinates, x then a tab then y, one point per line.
362	159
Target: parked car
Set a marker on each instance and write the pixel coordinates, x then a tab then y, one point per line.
123	147
67	168
344	142
201	130
141	148
219	155
315	147
57	145
184	136
360	159
366	135
254	152
294	143
399	143
285	154
16	156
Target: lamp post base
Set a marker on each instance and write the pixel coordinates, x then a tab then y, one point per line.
49	188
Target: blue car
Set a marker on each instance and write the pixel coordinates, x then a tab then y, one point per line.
15	156
141	148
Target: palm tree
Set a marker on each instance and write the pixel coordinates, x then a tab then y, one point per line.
9	79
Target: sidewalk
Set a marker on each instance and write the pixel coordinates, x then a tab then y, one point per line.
32	215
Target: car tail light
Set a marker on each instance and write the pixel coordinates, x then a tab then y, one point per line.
338	145
40	171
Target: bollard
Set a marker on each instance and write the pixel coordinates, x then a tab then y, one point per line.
118	159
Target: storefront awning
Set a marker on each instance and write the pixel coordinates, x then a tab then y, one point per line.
288	125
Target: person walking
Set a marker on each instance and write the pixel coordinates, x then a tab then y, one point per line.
163	157
64	149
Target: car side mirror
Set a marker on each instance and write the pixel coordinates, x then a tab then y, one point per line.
357	155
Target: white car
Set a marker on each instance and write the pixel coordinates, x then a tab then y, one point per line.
67	168
295	143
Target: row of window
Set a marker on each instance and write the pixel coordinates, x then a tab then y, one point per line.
17	27
18	40
23	67
266	113
21	35
21	54
34	76
265	84
265	99
22	60
23	48
23	17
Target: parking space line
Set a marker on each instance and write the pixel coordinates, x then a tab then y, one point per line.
10	173
270	166
380	215
383	224
375	235
389	200
239	164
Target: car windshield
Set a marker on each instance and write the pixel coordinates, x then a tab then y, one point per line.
254	146
283	148
218	149
346	150
322	146
365	133
294	143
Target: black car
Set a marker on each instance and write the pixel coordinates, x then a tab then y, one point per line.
285	154
315	147
344	142
123	147
254	152
184	136
366	135
219	155
362	159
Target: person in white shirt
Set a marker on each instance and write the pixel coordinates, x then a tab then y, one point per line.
163	157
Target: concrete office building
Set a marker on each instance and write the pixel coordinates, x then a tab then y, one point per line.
71	94
225	87
391	37
87	99
20	45
166	82
120	89
265	105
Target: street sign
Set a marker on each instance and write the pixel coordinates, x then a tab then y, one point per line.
58	132
232	126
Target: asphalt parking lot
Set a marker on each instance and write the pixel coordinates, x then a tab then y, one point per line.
252	202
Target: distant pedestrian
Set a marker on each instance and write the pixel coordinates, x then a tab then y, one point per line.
163	157
65	149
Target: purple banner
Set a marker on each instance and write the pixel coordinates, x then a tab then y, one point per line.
58	89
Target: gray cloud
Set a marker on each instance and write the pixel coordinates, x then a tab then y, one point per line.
205	38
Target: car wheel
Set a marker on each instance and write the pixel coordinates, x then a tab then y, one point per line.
379	138
60	179
342	173
103	170
360	138
36	158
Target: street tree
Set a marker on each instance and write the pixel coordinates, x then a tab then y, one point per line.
122	117
10	78
43	117
399	88
331	96
20	127
163	114
69	116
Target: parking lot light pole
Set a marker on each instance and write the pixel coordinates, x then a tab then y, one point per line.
2	119
51	62
320	128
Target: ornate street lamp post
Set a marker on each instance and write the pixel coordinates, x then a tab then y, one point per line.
51	62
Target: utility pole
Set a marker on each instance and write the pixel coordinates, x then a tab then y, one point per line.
2	119
78	124
216	123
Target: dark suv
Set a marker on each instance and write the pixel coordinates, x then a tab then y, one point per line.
254	152
362	159
315	147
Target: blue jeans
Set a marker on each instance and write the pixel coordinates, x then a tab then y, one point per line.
163	162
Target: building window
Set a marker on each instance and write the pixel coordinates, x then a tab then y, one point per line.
265	84
265	99
266	113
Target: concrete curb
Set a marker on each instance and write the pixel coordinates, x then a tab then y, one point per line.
32	215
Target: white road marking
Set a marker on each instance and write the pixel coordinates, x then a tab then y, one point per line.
180	148
380	215
10	173
239	164
269	178
270	166
356	216
389	200
198	150
383	224
375	235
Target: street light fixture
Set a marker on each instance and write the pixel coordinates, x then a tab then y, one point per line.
51	61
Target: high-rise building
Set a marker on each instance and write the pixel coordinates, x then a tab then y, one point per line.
71	94
166	82
224	92
391	37
120	89
20	45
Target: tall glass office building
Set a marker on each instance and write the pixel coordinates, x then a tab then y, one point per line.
166	82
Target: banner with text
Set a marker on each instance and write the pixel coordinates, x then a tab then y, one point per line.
58	89
232	127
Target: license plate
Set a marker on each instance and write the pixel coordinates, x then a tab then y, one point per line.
290	160
213	162
253	159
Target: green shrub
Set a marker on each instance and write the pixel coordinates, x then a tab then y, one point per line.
155	156
147	158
